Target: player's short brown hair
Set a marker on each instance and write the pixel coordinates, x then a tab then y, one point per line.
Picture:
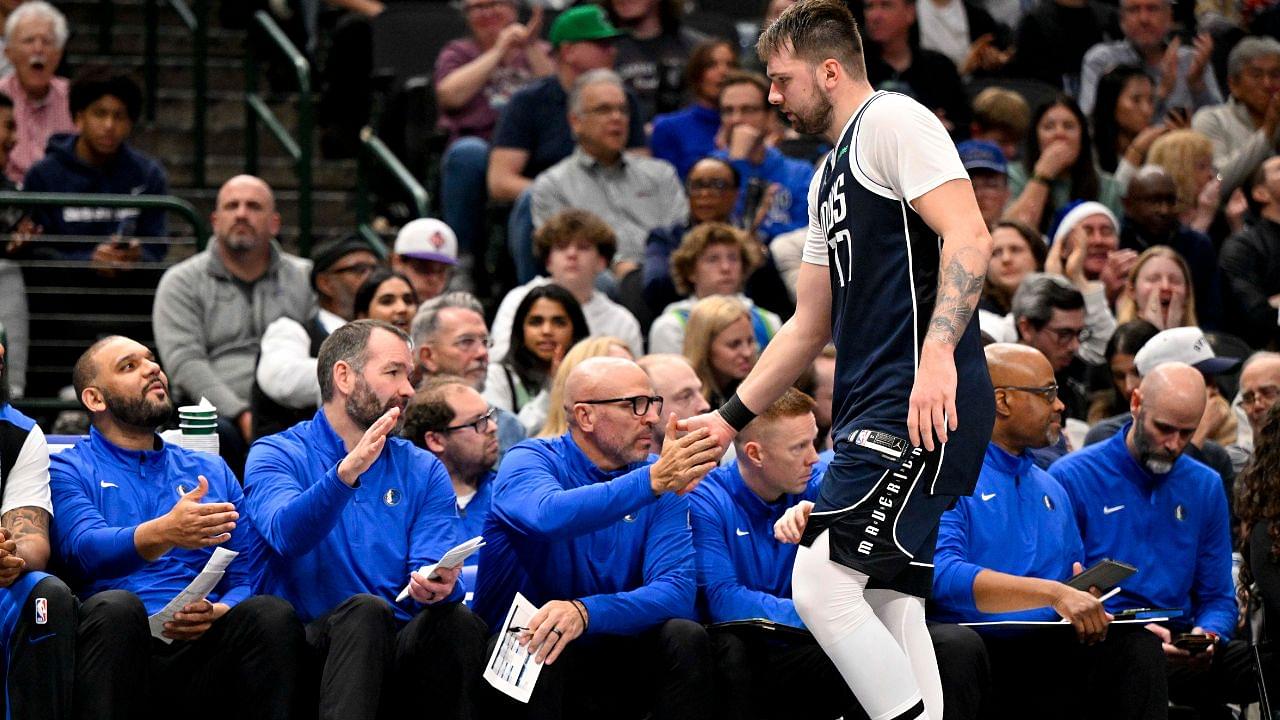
815	30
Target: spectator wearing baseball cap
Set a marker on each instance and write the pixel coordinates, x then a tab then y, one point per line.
1218	424
989	173
285	388
533	133
426	251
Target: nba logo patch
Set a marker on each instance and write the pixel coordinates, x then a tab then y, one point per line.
391	497
42	611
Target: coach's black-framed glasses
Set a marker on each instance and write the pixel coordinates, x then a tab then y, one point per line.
640	404
1048	393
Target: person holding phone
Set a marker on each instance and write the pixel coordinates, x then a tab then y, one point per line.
1007	552
1136	497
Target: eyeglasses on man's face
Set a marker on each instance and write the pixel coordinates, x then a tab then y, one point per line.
640	404
480	424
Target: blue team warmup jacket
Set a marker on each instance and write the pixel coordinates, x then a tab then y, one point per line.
1174	528
1018	521
560	528
328	541
743	571
101	493
471	519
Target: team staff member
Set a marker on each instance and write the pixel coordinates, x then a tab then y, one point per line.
745	574
587	527
1005	554
138	519
350	513
39	676
897	303
448	418
1139	497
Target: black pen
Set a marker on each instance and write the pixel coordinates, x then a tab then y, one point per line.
515	629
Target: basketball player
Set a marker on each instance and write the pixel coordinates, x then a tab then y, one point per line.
893	266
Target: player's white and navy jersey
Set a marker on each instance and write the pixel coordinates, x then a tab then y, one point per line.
883	260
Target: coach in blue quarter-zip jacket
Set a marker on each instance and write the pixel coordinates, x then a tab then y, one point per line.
350	512
744	573
138	519
1004	554
1137	497
586	528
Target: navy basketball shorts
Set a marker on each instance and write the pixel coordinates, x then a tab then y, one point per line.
882	519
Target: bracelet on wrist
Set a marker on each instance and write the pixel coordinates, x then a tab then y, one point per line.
582	612
1037	177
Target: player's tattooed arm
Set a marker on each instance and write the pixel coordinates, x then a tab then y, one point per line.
960	283
29	528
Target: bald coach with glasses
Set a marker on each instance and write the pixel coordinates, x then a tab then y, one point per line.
594	530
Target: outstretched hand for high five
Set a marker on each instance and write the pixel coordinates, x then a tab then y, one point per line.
366	451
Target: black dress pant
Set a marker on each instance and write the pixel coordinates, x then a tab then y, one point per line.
247	665
369	668
665	673
40	658
964	667
765	674
1229	677
1051	674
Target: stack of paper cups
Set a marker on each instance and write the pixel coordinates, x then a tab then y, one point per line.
199	425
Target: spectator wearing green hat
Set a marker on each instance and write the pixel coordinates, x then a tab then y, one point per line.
533	133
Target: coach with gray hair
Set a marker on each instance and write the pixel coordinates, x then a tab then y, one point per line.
1243	129
350	512
632	193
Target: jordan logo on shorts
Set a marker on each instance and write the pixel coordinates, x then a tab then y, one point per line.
890	497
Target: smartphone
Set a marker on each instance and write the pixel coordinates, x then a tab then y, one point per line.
1104	576
1194	643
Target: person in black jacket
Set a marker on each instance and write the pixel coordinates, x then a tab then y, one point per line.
97	158
1053	37
1250	263
895	61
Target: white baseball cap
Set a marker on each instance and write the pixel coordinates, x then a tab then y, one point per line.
428	239
1185	345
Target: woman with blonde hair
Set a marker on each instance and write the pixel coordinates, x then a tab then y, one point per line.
1159	290
720	344
604	345
1188	156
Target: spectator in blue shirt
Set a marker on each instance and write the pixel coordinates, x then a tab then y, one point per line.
772	183
1138	497
689	134
138	519
97	158
1005	552
594	532
350	513
744	573
451	420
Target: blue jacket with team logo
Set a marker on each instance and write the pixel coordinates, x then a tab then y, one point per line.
560	528
102	492
744	573
329	541
1019	521
790	208
1174	528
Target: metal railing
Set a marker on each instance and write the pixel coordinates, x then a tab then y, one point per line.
104	200
375	154
195	18
257	111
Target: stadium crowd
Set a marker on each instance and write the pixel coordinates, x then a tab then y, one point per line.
373	412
